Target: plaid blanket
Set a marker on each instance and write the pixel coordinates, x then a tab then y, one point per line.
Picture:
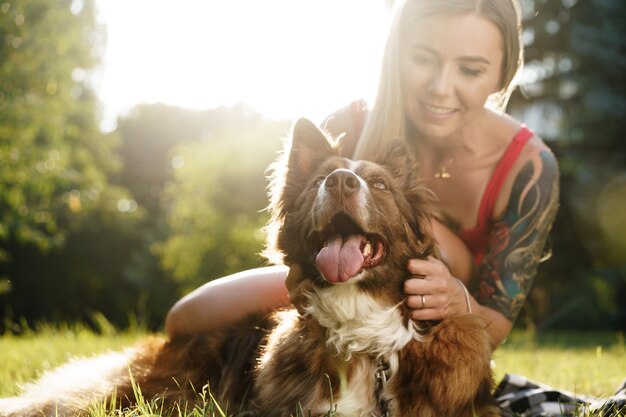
519	397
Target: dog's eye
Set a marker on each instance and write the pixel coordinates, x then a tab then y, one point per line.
318	181
379	184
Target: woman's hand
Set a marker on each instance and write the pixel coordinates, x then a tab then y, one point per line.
433	293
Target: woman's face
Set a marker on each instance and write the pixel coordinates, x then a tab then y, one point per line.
450	65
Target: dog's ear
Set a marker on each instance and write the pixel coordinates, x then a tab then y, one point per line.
398	159
309	148
306	150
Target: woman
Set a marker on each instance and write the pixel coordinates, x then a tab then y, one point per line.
448	64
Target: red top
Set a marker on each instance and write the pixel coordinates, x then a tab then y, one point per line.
476	238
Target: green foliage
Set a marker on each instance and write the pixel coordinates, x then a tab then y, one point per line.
200	176
199	191
60	219
53	158
215	201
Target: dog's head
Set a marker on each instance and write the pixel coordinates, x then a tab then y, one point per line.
348	221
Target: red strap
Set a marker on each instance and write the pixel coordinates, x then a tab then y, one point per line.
476	238
492	191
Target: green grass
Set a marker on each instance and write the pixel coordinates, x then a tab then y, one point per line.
583	363
590	364
27	356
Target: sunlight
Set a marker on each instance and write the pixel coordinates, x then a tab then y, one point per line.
284	58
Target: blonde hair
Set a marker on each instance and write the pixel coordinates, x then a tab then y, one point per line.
387	119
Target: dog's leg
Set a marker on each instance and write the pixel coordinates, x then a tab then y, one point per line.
460	350
447	374
297	369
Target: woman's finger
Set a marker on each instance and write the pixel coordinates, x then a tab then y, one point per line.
428	314
433	285
428	268
424	301
414	286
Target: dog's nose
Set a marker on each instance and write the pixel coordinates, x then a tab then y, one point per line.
343	182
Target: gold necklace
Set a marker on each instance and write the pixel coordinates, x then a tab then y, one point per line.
442	173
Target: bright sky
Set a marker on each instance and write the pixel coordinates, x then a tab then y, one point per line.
285	58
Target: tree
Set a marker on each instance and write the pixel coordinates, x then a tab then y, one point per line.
215	203
53	157
60	218
205	173
575	97
199	175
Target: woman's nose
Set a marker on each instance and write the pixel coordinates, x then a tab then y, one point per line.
441	83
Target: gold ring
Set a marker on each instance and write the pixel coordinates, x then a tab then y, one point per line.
423	302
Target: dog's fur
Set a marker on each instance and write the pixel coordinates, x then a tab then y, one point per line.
327	358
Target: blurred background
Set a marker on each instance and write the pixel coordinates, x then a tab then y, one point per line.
135	135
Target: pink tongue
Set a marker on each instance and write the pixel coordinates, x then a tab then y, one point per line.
341	259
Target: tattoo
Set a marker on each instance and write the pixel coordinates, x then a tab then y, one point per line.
517	241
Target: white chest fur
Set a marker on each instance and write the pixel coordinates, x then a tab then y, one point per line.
360	328
357	322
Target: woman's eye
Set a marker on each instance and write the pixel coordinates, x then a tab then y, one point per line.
422	60
472	72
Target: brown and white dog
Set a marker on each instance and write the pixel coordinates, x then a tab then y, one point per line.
349	227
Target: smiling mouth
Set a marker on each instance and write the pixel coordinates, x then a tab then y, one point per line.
442	111
343	249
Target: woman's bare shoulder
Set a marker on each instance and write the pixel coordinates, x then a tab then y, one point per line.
506	128
536	165
338	121
343	122
538	152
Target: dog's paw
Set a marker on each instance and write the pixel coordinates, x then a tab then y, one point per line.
452	366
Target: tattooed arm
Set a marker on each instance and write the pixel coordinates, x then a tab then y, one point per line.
517	243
